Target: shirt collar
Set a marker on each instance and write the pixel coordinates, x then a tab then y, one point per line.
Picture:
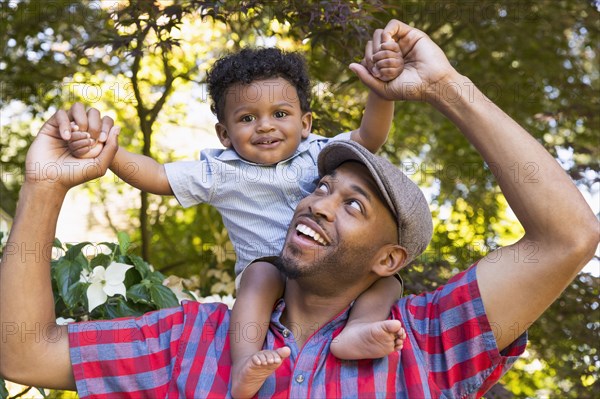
334	323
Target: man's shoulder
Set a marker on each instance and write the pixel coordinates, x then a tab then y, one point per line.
202	312
206	307
460	289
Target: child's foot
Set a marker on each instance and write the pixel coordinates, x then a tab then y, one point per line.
249	375
368	340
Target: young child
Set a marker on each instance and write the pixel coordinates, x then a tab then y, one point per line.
261	98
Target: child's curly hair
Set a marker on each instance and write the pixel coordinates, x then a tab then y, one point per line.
252	64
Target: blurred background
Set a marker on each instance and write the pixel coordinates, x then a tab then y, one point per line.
144	63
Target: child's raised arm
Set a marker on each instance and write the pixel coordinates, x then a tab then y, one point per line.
384	61
137	170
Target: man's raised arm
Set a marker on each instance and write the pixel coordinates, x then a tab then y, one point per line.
33	349
519	282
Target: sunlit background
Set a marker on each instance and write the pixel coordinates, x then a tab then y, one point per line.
538	60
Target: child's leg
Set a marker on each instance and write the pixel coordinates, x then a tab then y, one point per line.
260	286
368	335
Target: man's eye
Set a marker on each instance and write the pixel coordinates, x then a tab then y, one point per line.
280	114
323	187
355	204
247	118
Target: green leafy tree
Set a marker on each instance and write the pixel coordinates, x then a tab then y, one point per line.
537	60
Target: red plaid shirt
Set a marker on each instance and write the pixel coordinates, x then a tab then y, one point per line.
183	352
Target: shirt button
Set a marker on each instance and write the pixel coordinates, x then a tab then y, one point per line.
286	333
299	378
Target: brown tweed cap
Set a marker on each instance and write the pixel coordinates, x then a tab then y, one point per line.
404	197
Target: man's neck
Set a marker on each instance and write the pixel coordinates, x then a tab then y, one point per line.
307	311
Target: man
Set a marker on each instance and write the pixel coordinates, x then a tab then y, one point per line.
459	339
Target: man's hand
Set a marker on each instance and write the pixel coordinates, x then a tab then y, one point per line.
49	160
425	64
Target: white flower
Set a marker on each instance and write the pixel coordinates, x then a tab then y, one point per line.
84	277
175	284
106	282
63	322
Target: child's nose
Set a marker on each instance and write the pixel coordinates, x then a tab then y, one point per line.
264	124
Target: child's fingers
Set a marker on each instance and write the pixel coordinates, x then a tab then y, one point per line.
387	38
389	63
77	135
386	55
75	145
402	333
390	46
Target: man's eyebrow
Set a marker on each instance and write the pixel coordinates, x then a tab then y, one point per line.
354	187
362	192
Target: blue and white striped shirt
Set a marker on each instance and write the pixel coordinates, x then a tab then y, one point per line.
256	201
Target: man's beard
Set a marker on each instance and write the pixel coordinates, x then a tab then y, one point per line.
343	263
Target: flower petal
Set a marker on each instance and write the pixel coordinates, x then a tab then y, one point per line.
84	277
98	274
112	289
115	273
95	296
61	321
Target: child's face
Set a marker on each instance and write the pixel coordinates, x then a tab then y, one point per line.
263	121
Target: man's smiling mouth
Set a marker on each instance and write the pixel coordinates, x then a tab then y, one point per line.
307	231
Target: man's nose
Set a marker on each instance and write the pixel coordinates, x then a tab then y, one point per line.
323	207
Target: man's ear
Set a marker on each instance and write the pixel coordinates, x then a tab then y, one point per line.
306	124
222	135
390	260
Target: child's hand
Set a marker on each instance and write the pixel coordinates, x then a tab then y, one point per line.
82	145
383	57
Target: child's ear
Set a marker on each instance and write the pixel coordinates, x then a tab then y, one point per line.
222	135
306	124
390	260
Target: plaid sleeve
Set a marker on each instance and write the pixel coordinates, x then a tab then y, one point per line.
455	338
126	357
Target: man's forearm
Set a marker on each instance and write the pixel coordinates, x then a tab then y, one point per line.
527	174
27	316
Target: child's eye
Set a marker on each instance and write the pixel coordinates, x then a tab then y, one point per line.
280	114
247	118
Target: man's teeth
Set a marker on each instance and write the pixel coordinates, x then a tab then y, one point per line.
311	233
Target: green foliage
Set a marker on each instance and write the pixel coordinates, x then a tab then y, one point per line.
537	62
3	390
71	279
